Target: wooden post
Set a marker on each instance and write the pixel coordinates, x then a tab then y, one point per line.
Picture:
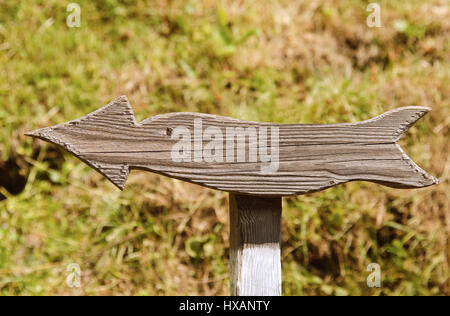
255	237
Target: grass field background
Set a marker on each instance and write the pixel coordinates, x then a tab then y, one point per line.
285	61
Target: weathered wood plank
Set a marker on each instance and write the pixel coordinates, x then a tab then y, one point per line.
275	160
255	237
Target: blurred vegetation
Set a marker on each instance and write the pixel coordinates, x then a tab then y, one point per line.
284	61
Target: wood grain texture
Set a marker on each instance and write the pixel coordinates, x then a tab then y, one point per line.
311	157
255	237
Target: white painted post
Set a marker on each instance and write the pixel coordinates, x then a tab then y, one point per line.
255	229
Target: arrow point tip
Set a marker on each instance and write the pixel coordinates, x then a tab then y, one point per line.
435	180
35	133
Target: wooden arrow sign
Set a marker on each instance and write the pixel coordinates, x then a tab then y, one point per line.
240	156
256	162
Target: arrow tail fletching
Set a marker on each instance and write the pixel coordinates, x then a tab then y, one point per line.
398	122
